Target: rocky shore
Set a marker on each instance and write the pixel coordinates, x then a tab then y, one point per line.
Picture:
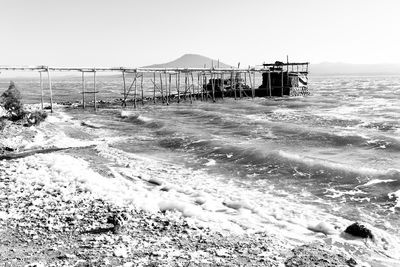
50	221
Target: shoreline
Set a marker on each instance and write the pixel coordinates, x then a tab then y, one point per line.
32	186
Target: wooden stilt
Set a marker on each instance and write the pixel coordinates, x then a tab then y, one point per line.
123	78
192	86
254	83
83	90
188	88
233	83
169	87
240	85
135	92
199	86
51	90
282	82
166	88
41	89
269	84
213	86
94	89
161	88
178	85
141	88
252	86
205	90
154	88
222	86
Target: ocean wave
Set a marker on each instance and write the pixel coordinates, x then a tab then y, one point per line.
310	161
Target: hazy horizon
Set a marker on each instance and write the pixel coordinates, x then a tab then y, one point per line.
139	33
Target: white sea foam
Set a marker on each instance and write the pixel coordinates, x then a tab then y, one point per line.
311	161
377	181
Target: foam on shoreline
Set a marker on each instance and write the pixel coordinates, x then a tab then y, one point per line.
211	201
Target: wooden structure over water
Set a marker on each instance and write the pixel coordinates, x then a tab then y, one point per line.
174	84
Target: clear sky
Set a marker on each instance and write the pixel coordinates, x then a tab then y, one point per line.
136	33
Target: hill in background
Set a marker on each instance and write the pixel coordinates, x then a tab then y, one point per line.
191	61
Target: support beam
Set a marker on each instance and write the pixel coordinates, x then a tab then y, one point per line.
166	88
125	96
269	84
135	92
154	88
83	90
161	88
41	89
51	90
94	89
141	88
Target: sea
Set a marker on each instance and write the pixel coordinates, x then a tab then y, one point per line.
287	165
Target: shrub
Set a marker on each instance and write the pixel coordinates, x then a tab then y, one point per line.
11	100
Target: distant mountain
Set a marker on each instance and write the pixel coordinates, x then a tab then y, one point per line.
353	69
191	61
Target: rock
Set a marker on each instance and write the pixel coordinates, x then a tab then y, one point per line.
317	255
359	230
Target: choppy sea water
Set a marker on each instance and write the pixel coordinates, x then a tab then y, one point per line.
293	162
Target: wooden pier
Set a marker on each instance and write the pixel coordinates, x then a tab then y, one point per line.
174	84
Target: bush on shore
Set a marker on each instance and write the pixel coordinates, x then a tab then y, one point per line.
11	102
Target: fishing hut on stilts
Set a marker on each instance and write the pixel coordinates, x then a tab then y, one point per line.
141	86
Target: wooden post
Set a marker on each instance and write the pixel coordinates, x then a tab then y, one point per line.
240	85
123	78
166	88
83	90
287	70
254	82
205	92
192	85
178	81
94	89
186	82
154	88
135	94
162	92
51	90
199	86
169	88
282	81
141	88
222	87
252	86
213	86
41	89
233	81
190	94
269	84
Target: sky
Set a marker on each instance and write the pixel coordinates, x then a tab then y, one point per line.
130	33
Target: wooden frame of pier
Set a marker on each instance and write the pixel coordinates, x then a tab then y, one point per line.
163	78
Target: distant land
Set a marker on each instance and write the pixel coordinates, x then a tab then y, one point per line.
329	68
325	68
190	61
